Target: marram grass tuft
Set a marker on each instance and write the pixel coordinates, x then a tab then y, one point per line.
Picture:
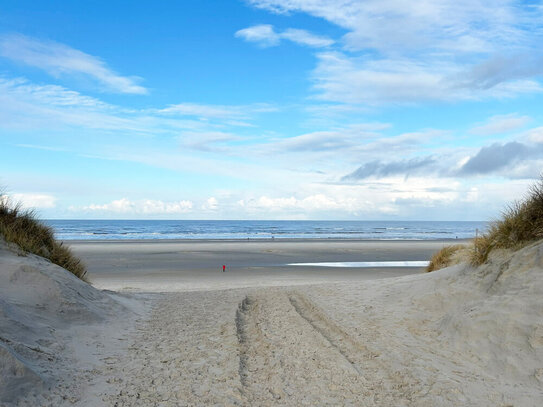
521	223
444	257
21	227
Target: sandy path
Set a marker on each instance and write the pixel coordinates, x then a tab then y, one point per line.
185	354
352	345
256	347
292	354
459	336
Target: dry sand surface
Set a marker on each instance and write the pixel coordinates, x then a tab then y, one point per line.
458	336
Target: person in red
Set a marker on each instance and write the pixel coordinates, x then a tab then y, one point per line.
223	268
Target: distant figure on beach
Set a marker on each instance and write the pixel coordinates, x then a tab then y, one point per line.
223	268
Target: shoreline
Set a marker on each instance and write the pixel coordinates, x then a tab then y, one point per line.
263	240
189	265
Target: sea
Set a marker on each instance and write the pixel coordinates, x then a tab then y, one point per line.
262	229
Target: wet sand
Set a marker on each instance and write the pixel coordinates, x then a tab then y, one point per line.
182	265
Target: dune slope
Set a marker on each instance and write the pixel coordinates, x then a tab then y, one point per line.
50	323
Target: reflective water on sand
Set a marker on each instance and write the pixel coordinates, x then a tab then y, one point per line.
365	264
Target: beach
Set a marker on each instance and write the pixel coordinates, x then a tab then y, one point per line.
271	203
162	325
181	265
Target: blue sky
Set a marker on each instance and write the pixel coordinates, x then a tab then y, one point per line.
270	109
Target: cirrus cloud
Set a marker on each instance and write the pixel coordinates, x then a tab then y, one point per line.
500	124
59	59
266	36
442	50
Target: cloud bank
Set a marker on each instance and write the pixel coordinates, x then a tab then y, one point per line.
125	206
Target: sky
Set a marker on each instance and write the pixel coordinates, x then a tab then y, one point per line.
270	109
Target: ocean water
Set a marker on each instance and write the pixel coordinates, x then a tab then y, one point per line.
247	229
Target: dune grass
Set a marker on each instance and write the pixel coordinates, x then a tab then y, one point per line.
443	258
21	227
521	223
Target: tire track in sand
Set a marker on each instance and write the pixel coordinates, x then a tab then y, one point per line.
387	385
260	385
337	337
244	339
290	353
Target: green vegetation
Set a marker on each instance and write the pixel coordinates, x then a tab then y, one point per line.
444	257
24	229
521	223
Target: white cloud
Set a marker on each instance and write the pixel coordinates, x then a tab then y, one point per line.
378	199
212	204
395	197
345	138
500	69
122	205
199	110
500	124
25	105
38	147
31	106
266	36
29	200
141	207
317	202
325	141
304	37
48	94
346	79
438	50
535	135
155	206
262	34
59	59
211	141
392	25
231	112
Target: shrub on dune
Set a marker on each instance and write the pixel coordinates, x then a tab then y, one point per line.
21	227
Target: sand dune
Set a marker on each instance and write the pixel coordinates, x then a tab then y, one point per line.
54	330
458	336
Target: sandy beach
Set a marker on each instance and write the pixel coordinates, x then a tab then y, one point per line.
167	328
260	203
181	265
